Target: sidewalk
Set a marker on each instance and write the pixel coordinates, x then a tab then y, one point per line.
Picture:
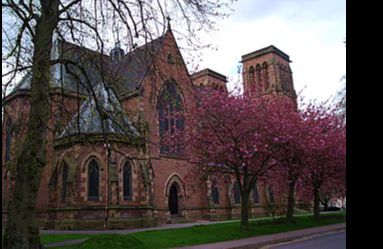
160	227
260	241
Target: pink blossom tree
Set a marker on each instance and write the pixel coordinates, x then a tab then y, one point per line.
325	154
231	135
290	137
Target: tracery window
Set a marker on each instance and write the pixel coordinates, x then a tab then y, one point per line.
127	181
171	119
93	179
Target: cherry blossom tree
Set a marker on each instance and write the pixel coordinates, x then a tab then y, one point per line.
230	135
290	136
326	154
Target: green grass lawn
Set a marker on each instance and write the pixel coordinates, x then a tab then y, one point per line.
161	239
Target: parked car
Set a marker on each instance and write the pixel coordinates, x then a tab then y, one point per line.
331	208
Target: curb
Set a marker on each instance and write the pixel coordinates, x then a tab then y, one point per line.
266	245
258	242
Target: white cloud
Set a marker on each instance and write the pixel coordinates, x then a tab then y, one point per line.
310	32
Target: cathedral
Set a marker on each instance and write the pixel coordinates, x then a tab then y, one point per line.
116	172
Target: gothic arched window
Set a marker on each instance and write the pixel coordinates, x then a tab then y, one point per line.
127	181
64	179
237	193
271	195
255	194
251	77
284	79
265	75
258	77
171	119
8	140
215	192
93	179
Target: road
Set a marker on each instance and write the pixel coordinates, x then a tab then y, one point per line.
333	240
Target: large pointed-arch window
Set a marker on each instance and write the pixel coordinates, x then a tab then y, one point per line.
93	179
64	180
171	119
127	181
8	140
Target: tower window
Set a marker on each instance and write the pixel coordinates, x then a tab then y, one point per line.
258	76
265	75
251	74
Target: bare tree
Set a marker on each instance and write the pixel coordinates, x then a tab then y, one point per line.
28	35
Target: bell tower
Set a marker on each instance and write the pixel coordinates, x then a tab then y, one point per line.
267	71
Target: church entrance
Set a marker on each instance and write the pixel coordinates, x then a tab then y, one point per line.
173	199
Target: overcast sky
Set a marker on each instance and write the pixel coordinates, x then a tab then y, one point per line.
311	32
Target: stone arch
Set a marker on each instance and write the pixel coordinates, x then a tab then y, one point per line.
85	174
93	155
134	178
175	178
179	91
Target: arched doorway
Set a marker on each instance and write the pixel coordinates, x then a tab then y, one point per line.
173	200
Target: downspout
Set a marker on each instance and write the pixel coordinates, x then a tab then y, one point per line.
107	152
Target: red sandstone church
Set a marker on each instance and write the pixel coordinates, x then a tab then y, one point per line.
98	177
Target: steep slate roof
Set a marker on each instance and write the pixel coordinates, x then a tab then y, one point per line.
119	78
136	63
124	76
101	114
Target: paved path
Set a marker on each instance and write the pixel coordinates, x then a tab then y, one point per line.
65	243
331	240
160	227
261	241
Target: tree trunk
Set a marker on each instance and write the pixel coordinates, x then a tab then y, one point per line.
325	202
244	212
290	201
22	230
316	203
